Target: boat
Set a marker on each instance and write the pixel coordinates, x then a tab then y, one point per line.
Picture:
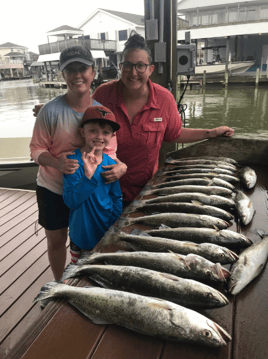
243	317
217	68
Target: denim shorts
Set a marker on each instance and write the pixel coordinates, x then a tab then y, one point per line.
53	212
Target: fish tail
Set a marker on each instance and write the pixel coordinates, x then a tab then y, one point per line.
123	222
145	192
49	290
72	270
111	236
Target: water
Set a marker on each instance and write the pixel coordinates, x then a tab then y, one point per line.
244	108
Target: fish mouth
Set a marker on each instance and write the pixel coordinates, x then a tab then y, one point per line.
221	272
223	335
225	300
233	255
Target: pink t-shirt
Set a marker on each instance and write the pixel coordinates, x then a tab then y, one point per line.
139	143
56	131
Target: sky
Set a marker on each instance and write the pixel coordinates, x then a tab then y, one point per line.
27	23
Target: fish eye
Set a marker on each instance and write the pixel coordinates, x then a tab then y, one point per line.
207	333
209	273
209	295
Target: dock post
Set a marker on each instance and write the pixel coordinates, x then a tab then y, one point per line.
257	76
204	77
226	78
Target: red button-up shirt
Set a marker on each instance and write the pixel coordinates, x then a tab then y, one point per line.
139	143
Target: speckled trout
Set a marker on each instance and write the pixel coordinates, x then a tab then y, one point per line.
210	190
248	177
191	266
193	181
205	158
210	200
146	315
222	237
212	252
182	207
250	264
244	207
175	220
169	176
186	292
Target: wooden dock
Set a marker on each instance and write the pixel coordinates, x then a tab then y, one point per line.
24	266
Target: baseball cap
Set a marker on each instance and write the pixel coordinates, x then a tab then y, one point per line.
75	54
100	113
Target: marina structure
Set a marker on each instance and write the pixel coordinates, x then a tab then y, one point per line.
226	30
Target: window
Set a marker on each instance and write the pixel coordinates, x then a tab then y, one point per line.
122	35
102	35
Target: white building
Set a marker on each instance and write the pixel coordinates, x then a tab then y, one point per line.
238	25
112	25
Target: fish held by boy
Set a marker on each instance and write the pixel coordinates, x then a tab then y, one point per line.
250	264
191	266
186	292
146	315
209	251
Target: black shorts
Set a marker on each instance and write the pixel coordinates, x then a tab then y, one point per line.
53	212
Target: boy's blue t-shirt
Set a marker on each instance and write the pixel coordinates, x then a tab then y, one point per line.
94	205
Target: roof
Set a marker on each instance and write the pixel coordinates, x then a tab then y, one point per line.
13	54
10	44
190	5
136	19
64	28
133	18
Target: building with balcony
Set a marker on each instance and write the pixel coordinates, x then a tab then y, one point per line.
12	59
104	32
235	30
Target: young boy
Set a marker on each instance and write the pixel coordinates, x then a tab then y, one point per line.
94	204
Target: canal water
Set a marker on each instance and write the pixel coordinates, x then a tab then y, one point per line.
244	108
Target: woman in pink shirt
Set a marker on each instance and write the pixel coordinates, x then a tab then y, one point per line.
147	114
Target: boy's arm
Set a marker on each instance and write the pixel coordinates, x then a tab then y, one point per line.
77	188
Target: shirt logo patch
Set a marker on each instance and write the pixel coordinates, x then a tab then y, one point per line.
158	119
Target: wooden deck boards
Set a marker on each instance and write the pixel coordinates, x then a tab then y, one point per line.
24	265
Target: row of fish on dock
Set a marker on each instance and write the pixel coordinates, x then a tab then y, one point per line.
162	275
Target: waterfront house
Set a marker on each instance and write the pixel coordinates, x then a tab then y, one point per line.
12	59
104	32
235	30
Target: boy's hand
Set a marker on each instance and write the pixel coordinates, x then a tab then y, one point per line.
115	171
90	163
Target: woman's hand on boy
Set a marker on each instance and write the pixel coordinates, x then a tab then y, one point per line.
114	171
90	163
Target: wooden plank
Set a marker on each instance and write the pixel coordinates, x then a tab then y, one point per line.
25	248
20	267
12	202
19	227
30	200
5	194
120	343
13	244
19	217
18	319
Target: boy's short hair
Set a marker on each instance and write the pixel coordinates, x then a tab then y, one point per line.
101	114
